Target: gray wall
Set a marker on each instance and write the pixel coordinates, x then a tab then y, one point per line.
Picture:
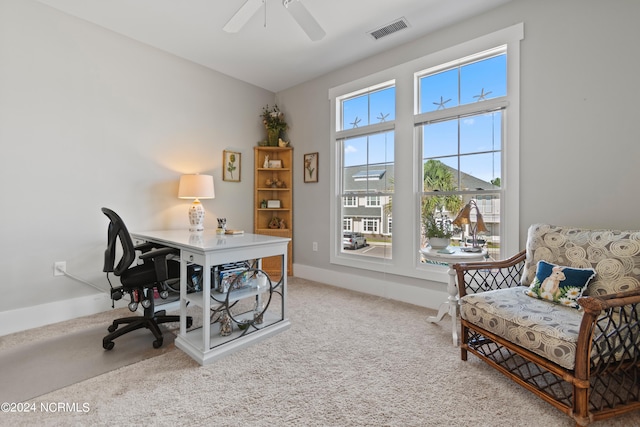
90	119
579	96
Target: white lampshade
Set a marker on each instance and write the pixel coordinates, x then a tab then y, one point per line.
196	187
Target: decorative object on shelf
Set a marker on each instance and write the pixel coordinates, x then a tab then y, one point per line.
266	162
438	228
274	223
283	225
226	325
196	187
311	167
231	163
282	143
263	204
273	121
273	204
464	218
258	312
276	164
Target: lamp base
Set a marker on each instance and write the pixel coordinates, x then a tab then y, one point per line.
196	216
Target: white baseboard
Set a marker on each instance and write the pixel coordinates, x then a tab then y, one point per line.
422	297
58	311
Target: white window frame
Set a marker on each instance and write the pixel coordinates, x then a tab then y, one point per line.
405	260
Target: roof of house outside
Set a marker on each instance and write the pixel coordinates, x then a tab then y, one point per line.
378	178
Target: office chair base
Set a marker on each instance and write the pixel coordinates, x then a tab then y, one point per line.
147	321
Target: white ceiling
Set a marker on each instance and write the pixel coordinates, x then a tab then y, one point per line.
279	55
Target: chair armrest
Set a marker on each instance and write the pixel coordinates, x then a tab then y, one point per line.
609	337
145	247
159	257
475	277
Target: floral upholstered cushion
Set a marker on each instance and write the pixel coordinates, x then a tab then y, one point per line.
547	329
559	284
614	255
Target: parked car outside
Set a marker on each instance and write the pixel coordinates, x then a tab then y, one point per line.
352	240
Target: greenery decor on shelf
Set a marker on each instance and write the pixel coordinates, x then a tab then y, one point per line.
439	225
274	123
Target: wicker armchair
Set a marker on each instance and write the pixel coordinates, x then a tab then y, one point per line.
584	362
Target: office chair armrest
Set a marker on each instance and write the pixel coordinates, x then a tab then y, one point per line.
145	247
159	257
162	252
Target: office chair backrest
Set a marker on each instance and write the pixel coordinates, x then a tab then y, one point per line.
117	231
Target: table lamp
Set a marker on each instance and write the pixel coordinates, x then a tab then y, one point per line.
464	218
196	187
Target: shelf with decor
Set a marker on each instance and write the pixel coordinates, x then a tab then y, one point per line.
273	200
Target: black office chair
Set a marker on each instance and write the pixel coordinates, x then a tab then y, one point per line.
139	281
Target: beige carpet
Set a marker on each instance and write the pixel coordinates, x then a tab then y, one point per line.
348	360
47	363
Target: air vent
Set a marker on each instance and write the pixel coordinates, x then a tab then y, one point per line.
387	30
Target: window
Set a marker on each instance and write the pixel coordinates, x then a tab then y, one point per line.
372	201
370	225
459	127
366	144
437	131
350	202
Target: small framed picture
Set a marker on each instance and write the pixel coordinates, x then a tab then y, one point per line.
311	167
231	162
275	164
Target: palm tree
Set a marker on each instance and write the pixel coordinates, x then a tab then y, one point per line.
439	177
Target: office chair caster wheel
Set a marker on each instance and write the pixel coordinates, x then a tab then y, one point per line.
112	328
108	345
157	343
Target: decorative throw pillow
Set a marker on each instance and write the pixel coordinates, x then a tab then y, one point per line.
558	284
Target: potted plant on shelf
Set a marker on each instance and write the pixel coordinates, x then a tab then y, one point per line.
273	121
438	228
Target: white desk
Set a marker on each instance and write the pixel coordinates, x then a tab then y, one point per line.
208	249
450	306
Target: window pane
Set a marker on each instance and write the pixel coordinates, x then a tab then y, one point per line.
479	171
481	133
438	91
354	110
368	163
438	213
367	180
483	80
370	108
441	139
473	82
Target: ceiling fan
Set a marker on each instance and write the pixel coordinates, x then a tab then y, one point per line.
295	7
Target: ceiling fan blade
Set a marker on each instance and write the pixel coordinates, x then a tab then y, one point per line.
242	16
306	21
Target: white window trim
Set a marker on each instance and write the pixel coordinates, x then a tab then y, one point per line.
405	260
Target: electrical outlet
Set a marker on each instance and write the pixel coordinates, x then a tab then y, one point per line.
315	246
59	268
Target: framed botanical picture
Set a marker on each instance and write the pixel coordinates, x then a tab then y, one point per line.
231	162
311	167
